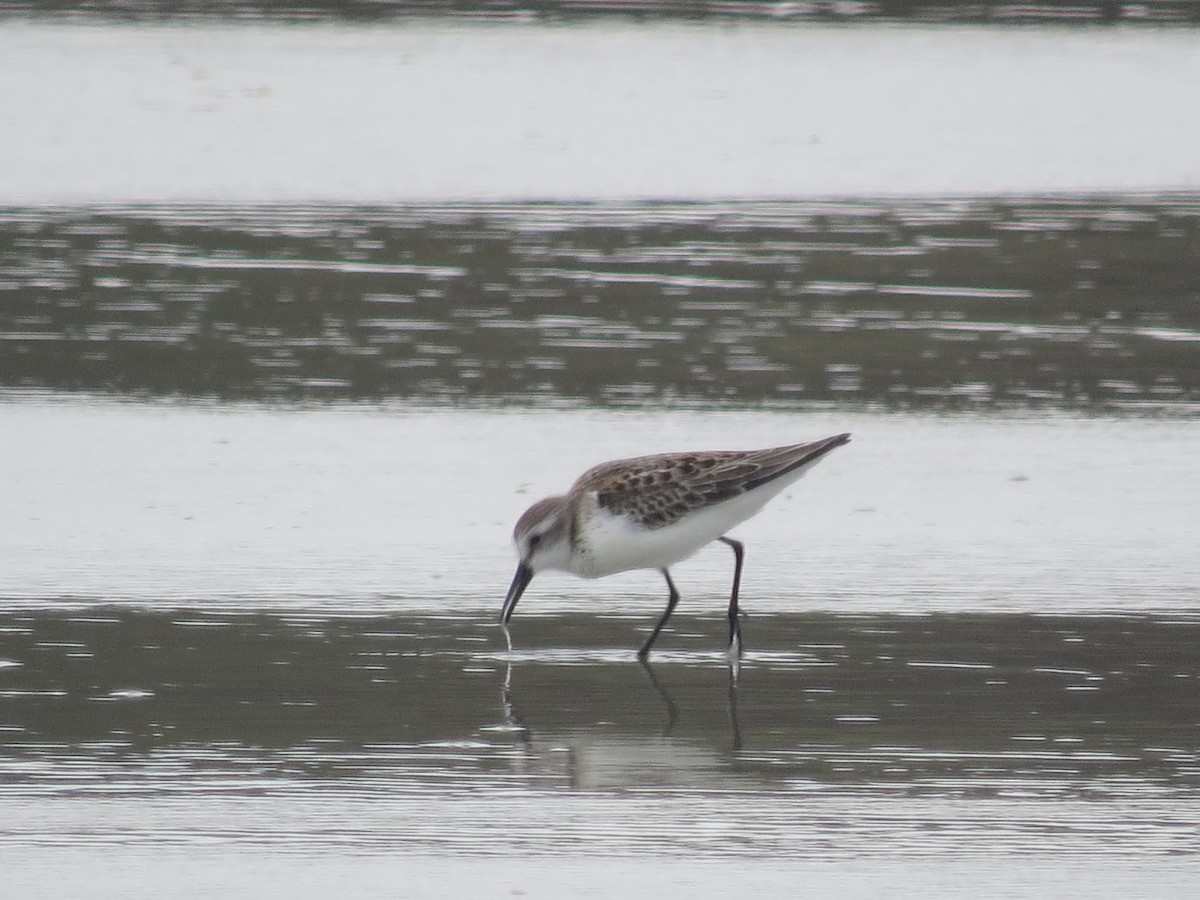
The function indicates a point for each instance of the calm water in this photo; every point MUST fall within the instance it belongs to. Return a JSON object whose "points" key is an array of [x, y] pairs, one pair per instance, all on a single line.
{"points": [[259, 462], [419, 111], [381, 510], [234, 636]]}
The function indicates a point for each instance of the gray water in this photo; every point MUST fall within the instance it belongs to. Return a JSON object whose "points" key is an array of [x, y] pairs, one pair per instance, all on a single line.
{"points": [[245, 647], [436, 111], [1085, 302], [259, 461]]}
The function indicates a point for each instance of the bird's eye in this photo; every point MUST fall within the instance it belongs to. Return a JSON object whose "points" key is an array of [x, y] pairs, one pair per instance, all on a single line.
{"points": [[534, 540]]}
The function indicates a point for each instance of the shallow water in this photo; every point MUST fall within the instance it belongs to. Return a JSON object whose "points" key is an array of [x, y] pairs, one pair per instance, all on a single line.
{"points": [[919, 713], [437, 111], [856, 748], [232, 635], [237, 506], [248, 645], [260, 462], [120, 702], [1075, 302]]}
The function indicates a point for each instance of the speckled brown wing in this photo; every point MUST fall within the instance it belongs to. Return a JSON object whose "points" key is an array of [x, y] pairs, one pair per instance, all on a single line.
{"points": [[659, 490]]}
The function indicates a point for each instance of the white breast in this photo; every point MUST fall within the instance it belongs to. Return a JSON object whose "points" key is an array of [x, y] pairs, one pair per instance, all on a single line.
{"points": [[609, 544]]}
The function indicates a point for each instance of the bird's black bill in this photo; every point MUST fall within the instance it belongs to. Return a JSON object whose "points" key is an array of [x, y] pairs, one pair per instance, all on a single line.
{"points": [[516, 589]]}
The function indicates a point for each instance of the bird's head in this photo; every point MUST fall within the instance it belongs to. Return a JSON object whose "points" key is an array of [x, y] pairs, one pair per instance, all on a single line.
{"points": [[542, 539]]}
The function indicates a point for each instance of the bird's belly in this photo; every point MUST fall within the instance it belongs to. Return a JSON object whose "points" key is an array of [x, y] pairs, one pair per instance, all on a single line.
{"points": [[611, 544]]}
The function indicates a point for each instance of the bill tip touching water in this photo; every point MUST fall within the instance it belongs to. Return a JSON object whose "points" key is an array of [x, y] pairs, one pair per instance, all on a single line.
{"points": [[650, 512]]}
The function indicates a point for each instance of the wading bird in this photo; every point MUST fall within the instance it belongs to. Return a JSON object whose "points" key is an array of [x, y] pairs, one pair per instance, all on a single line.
{"points": [[651, 512]]}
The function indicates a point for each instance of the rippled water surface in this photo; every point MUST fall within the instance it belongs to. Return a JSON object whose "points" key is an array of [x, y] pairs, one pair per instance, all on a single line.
{"points": [[1075, 302], [234, 636], [260, 470], [260, 455], [233, 738], [261, 465]]}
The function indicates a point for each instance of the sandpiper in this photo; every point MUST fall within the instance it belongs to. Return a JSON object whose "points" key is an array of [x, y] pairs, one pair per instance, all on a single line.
{"points": [[651, 512]]}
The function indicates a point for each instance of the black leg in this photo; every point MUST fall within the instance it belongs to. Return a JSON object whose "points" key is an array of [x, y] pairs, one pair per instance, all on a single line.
{"points": [[671, 601], [735, 628]]}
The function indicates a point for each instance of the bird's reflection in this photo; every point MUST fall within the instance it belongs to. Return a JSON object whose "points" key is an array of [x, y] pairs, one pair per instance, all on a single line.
{"points": [[512, 719], [600, 756], [667, 699], [735, 727], [673, 710]]}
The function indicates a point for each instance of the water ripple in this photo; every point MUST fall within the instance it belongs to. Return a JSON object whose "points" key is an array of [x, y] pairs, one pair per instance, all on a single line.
{"points": [[937, 303]]}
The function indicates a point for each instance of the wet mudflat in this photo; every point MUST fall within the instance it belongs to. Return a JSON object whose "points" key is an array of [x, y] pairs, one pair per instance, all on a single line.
{"points": [[247, 646]]}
